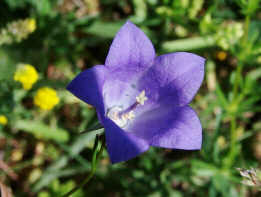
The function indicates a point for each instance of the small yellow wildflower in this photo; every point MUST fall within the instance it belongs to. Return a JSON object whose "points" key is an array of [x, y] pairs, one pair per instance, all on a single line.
{"points": [[27, 75], [46, 98], [31, 24], [3, 120], [221, 55]]}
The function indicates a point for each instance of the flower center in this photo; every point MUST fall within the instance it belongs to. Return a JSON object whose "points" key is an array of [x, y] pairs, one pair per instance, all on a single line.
{"points": [[123, 117]]}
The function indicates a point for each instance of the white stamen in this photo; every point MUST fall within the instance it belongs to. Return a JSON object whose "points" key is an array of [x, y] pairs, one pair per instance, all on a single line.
{"points": [[123, 117], [120, 120], [131, 115], [141, 98]]}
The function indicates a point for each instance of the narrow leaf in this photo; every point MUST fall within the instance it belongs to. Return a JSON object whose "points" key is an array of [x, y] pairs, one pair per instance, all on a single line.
{"points": [[42, 131]]}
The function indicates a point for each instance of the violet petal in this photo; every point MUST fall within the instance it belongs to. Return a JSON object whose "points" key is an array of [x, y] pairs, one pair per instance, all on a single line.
{"points": [[131, 51], [168, 127], [121, 145], [174, 78], [87, 86]]}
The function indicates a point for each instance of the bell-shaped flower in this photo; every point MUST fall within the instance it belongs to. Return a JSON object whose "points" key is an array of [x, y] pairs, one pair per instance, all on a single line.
{"points": [[142, 99]]}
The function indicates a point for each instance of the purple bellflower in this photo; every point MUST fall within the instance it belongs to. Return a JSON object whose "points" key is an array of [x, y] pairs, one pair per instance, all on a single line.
{"points": [[141, 99]]}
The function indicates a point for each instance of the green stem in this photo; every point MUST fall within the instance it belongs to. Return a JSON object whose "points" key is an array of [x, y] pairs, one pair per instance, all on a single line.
{"points": [[235, 101], [97, 151], [237, 80], [246, 28], [233, 138], [241, 56]]}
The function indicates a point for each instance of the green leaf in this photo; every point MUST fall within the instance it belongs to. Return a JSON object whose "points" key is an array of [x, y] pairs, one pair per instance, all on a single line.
{"points": [[42, 131], [254, 28], [221, 184], [104, 29], [221, 96], [43, 7], [203, 169], [75, 148], [188, 44], [251, 80], [7, 67], [140, 8]]}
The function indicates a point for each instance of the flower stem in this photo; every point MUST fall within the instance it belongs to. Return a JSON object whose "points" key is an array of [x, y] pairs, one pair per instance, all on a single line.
{"points": [[97, 151], [233, 139], [246, 29]]}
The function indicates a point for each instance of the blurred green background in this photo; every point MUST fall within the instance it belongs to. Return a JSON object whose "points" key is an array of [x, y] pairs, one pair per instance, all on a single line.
{"points": [[44, 44]]}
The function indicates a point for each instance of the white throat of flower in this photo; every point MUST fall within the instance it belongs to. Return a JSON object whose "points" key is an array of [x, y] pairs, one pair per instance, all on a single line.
{"points": [[122, 117]]}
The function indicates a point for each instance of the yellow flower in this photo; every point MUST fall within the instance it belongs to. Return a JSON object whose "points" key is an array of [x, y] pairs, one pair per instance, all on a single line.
{"points": [[27, 75], [31, 24], [221, 55], [46, 98], [3, 120]]}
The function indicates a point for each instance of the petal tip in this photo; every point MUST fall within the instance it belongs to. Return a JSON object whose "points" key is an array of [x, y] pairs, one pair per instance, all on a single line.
{"points": [[115, 160], [122, 146], [130, 46], [128, 22], [70, 87], [128, 25]]}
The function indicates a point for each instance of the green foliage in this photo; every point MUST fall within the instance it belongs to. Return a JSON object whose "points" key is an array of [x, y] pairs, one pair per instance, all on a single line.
{"points": [[56, 189], [249, 7], [7, 66], [42, 131], [47, 153]]}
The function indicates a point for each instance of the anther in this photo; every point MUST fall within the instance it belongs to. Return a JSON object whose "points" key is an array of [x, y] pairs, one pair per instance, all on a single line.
{"points": [[141, 98]]}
